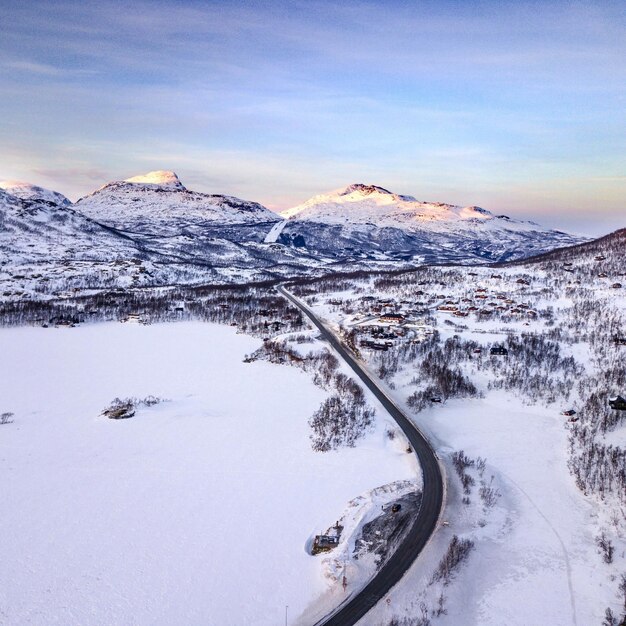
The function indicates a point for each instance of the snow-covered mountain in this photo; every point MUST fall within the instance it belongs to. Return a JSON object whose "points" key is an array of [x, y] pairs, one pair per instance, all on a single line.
{"points": [[158, 203], [148, 230], [38, 230], [368, 220], [27, 191], [152, 230]]}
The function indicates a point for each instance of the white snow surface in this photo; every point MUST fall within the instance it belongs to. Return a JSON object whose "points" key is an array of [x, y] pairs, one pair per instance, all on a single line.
{"points": [[370, 204], [274, 233], [196, 510], [535, 560]]}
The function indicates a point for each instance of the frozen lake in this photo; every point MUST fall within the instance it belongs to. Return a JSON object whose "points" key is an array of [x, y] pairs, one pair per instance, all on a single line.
{"points": [[196, 510]]}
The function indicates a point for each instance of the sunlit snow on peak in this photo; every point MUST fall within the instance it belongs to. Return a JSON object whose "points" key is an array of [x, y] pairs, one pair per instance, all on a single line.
{"points": [[157, 177]]}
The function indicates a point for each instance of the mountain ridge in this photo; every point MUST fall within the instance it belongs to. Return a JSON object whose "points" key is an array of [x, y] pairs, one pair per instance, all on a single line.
{"points": [[150, 230]]}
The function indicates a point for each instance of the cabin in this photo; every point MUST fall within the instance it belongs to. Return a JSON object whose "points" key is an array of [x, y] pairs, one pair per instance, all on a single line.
{"points": [[499, 351], [521, 281], [568, 413], [374, 345], [324, 543], [394, 318], [616, 286], [618, 403], [619, 341]]}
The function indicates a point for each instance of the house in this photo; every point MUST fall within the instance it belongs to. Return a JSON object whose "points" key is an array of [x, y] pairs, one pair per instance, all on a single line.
{"points": [[619, 341], [618, 403], [394, 318], [499, 351], [568, 413], [324, 543], [521, 281], [616, 286], [600, 258], [374, 345]]}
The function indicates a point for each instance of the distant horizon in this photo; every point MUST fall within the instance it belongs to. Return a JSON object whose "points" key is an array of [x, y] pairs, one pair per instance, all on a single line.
{"points": [[515, 107]]}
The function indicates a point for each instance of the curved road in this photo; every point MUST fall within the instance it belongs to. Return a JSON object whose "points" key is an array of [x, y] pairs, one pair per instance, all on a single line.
{"points": [[432, 497]]}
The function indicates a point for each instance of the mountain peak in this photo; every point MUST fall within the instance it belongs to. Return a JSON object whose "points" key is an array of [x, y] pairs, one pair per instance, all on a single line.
{"points": [[162, 178], [364, 190], [28, 191]]}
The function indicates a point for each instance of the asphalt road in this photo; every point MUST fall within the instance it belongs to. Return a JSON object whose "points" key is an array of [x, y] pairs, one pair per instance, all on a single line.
{"points": [[432, 498]]}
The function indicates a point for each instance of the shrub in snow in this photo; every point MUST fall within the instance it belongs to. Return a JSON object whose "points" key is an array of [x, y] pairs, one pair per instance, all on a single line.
{"points": [[605, 546], [339, 422], [120, 409], [125, 408], [458, 551], [5, 418]]}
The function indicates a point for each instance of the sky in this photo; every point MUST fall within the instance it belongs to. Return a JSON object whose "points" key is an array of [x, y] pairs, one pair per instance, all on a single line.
{"points": [[518, 107]]}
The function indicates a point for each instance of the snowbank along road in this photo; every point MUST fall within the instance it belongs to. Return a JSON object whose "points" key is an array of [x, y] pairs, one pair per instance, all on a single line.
{"points": [[432, 500]]}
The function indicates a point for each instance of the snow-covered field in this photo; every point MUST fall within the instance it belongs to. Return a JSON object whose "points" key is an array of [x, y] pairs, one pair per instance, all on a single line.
{"points": [[196, 510], [535, 560]]}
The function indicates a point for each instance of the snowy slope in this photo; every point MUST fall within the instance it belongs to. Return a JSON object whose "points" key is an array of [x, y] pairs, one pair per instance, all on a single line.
{"points": [[28, 191], [40, 230], [428, 230]]}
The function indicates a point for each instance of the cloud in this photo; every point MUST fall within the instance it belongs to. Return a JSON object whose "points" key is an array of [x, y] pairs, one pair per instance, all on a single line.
{"points": [[45, 70]]}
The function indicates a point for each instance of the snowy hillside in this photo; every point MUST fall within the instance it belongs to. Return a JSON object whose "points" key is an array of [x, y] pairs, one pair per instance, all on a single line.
{"points": [[47, 247], [374, 221], [27, 191], [40, 230]]}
